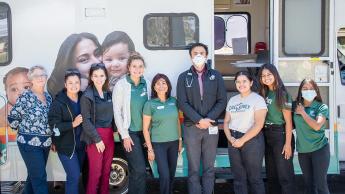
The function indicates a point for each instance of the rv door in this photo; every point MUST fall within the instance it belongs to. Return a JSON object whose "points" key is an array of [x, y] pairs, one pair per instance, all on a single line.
{"points": [[340, 75], [302, 34]]}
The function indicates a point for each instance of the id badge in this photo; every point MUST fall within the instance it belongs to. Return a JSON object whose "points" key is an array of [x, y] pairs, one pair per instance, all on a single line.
{"points": [[213, 130]]}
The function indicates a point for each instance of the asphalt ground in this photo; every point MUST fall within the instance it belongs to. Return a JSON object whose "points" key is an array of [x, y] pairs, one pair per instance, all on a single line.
{"points": [[336, 185]]}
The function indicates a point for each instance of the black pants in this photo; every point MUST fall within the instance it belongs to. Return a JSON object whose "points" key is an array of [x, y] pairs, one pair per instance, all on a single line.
{"points": [[279, 171], [137, 164], [246, 164], [166, 158], [314, 167]]}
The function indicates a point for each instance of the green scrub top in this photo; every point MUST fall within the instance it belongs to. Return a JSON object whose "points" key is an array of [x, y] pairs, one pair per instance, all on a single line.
{"points": [[164, 119], [275, 114], [138, 98], [308, 139]]}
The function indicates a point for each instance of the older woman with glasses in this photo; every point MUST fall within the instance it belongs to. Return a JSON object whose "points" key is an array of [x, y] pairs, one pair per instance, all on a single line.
{"points": [[97, 112], [30, 117], [65, 119]]}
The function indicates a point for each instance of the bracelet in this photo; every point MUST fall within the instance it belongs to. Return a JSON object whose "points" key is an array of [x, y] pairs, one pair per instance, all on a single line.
{"points": [[149, 150], [180, 139]]}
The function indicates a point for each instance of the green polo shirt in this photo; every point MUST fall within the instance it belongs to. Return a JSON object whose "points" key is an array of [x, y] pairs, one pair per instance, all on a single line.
{"points": [[138, 98], [308, 139], [275, 114], [164, 119]]}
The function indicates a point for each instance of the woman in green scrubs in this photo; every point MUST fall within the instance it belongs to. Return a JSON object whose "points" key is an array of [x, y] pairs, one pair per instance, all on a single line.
{"points": [[312, 144], [162, 131], [129, 96], [279, 140]]}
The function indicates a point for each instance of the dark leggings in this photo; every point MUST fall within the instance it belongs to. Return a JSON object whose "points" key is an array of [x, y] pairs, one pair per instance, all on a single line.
{"points": [[314, 167]]}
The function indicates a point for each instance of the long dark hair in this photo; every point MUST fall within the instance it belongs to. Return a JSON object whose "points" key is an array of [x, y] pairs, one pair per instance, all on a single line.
{"points": [[65, 59], [95, 67], [278, 85], [299, 98], [155, 80]]}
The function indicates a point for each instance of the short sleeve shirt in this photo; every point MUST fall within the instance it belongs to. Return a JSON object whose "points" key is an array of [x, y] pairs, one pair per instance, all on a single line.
{"points": [[308, 139], [138, 98], [164, 119], [275, 114], [242, 111]]}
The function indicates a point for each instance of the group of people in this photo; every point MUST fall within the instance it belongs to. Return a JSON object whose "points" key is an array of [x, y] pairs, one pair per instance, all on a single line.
{"points": [[81, 119]]}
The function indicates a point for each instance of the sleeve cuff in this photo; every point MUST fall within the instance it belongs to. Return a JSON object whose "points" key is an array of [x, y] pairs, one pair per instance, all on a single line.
{"points": [[124, 135]]}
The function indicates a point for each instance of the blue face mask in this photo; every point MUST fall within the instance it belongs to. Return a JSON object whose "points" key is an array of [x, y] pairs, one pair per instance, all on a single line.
{"points": [[308, 95]]}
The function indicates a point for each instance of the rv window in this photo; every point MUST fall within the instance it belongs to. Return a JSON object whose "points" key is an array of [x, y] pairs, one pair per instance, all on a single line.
{"points": [[304, 28], [234, 37], [170, 31], [5, 34], [219, 32]]}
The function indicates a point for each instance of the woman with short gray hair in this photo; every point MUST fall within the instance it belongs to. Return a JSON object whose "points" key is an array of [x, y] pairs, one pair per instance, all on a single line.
{"points": [[31, 74], [30, 117]]}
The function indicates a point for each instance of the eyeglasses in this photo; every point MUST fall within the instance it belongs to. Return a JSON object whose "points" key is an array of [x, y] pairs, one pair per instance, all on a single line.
{"points": [[97, 65], [39, 75]]}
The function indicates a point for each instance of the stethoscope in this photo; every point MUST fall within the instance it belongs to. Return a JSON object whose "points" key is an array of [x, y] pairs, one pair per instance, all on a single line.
{"points": [[189, 81]]}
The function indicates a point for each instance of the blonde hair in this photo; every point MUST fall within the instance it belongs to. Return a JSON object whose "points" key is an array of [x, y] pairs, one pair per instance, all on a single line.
{"points": [[135, 56]]}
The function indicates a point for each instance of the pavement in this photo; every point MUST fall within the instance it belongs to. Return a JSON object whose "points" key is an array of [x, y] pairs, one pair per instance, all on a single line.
{"points": [[336, 185]]}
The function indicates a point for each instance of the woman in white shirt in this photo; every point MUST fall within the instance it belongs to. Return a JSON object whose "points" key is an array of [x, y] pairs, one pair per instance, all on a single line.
{"points": [[244, 119]]}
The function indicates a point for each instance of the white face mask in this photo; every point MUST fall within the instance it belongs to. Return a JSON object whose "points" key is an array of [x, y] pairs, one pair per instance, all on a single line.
{"points": [[309, 95], [199, 60]]}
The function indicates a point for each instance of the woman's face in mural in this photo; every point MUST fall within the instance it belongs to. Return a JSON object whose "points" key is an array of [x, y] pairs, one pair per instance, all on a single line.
{"points": [[115, 59], [85, 57]]}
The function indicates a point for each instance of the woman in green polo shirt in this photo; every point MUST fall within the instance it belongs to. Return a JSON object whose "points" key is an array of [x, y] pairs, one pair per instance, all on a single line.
{"points": [[162, 131], [129, 96], [279, 140], [312, 144]]}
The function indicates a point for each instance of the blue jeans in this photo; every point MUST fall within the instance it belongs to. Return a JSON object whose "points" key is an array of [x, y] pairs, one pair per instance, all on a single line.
{"points": [[201, 147], [166, 158], [246, 164], [72, 166], [314, 167], [35, 159], [279, 171], [136, 164]]}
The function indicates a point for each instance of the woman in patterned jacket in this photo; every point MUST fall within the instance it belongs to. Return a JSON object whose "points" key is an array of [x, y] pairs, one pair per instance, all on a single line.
{"points": [[30, 117]]}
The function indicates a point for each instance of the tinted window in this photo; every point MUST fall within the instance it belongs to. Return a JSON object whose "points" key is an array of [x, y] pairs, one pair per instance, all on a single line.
{"points": [[232, 33], [170, 31]]}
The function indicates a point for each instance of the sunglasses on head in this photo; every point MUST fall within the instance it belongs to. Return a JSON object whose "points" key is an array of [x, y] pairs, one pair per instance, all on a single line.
{"points": [[69, 72], [97, 65]]}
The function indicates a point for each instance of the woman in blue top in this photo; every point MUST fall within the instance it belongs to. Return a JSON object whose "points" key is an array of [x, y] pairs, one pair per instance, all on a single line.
{"points": [[30, 117], [312, 144], [65, 119], [161, 113]]}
